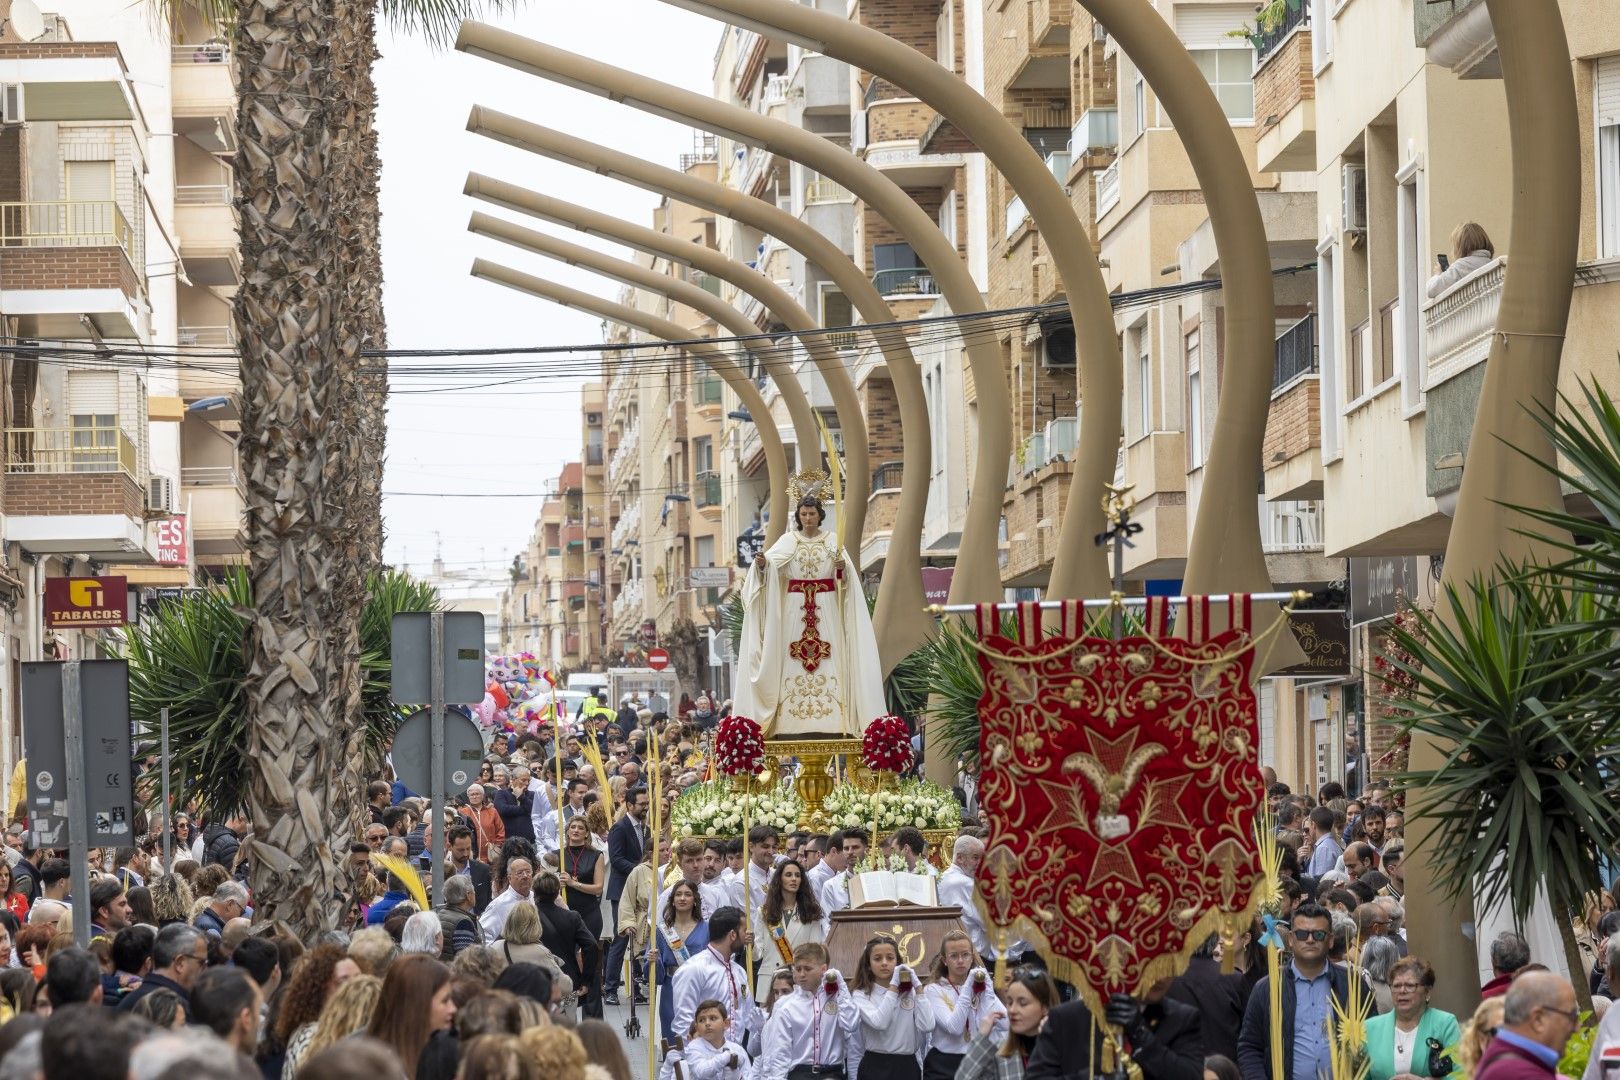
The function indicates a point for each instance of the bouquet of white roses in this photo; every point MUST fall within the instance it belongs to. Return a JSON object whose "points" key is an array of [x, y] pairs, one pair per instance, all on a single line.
{"points": [[715, 809], [920, 803]]}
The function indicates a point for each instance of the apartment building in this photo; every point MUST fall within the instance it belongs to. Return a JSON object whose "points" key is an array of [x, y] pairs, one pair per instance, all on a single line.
{"points": [[117, 236]]}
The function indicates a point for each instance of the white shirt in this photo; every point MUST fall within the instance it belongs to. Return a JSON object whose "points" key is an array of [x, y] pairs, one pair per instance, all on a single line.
{"points": [[957, 1012], [704, 1062], [493, 921], [1607, 1038], [817, 875], [802, 1030], [711, 894], [758, 881], [834, 897], [709, 976], [542, 818], [955, 889], [884, 1014]]}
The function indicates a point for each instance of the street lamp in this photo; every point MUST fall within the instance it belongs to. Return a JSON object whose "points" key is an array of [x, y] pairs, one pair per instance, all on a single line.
{"points": [[740, 415]]}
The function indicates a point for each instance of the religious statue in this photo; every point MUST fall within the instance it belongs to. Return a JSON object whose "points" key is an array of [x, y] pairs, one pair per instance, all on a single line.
{"points": [[808, 662]]}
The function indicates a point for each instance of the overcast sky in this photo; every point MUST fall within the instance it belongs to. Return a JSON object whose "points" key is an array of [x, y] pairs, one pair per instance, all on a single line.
{"points": [[492, 441]]}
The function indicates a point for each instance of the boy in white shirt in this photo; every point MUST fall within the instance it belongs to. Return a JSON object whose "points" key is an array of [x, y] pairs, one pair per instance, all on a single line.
{"points": [[709, 1055], [809, 1032]]}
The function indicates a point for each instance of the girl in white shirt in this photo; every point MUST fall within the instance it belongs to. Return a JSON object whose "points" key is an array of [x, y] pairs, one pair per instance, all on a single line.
{"points": [[895, 1022], [708, 1054], [960, 996]]}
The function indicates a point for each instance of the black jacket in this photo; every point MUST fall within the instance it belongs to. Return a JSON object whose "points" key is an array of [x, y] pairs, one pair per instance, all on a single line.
{"points": [[515, 813], [1254, 1041], [1219, 999], [565, 934], [479, 872], [624, 853], [153, 982], [220, 845], [1176, 1051]]}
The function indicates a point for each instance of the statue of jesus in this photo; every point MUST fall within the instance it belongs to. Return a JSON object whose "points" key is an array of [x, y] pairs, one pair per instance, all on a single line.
{"points": [[808, 662]]}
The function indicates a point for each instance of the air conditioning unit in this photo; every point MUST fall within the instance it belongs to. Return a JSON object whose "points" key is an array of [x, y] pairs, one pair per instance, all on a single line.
{"points": [[1057, 345], [1353, 191], [160, 495], [11, 103]]}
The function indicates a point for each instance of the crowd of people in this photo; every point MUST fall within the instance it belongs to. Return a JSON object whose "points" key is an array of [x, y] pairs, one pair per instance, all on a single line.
{"points": [[552, 909]]}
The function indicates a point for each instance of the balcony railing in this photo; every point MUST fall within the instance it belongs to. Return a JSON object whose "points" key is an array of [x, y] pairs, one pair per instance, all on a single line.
{"points": [[593, 454], [1290, 526], [206, 335], [1016, 216], [1108, 189], [70, 450], [817, 192], [202, 194], [775, 92], [888, 476], [1458, 323], [1057, 163], [65, 224], [706, 489], [1296, 353], [210, 476], [1097, 129], [208, 52], [1266, 41], [905, 281]]}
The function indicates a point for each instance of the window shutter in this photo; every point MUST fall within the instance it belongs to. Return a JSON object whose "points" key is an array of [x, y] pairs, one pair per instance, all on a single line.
{"points": [[1606, 90], [1209, 26], [93, 393]]}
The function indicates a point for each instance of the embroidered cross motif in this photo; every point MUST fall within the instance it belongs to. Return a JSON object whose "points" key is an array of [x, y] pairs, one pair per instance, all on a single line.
{"points": [[810, 649]]}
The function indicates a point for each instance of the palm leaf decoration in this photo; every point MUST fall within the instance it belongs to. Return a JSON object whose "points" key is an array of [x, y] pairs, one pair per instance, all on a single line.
{"points": [[1526, 797], [187, 655]]}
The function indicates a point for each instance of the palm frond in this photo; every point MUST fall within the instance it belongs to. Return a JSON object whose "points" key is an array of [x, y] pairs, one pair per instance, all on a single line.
{"points": [[437, 21]]}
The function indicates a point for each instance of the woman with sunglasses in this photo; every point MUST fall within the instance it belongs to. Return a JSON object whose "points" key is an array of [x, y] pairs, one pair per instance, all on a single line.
{"points": [[1028, 998], [1411, 1041]]}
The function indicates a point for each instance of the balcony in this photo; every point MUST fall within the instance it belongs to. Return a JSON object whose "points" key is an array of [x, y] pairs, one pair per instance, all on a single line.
{"points": [[1285, 95], [76, 489], [215, 500], [204, 95], [67, 80], [1049, 23], [1295, 353], [888, 476], [626, 455], [903, 161], [708, 392], [627, 528], [911, 281], [628, 602], [1096, 132], [775, 92], [1290, 527], [706, 489], [1457, 34], [821, 191], [205, 220], [1107, 189], [1293, 465], [1017, 216], [1458, 323], [64, 260], [822, 84]]}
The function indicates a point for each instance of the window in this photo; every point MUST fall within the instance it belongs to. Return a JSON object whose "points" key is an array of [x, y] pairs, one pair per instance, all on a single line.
{"points": [[945, 36], [1230, 73], [1411, 257], [947, 214], [1144, 379], [1139, 103], [1358, 361], [1321, 32], [1327, 312], [1606, 95], [1195, 400], [894, 268]]}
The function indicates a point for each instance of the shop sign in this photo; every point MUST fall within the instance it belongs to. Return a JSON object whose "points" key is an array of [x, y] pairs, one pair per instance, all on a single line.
{"points": [[1379, 584], [1324, 636], [85, 602], [170, 537]]}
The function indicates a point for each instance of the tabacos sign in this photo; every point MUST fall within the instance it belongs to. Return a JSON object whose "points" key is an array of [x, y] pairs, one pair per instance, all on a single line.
{"points": [[86, 602]]}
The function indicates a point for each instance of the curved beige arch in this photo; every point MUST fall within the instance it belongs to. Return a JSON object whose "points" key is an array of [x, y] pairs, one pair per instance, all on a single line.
{"points": [[858, 478], [776, 466], [977, 577], [1080, 568], [901, 623]]}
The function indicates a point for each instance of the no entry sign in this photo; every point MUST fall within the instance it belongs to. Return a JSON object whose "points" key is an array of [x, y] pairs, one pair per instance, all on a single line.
{"points": [[658, 659]]}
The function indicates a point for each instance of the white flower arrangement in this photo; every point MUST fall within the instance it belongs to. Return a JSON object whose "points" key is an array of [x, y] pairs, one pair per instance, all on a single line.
{"points": [[715, 809], [920, 803]]}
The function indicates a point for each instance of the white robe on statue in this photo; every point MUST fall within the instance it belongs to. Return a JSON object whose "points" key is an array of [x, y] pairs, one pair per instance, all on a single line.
{"points": [[802, 677]]}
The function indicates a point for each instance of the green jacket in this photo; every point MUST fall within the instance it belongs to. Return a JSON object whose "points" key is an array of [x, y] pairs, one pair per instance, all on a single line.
{"points": [[1433, 1024]]}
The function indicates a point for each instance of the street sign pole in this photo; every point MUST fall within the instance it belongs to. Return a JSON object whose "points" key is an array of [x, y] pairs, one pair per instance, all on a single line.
{"points": [[163, 753], [436, 830], [78, 834]]}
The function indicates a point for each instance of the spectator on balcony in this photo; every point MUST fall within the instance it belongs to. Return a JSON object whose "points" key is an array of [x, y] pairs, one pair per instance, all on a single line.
{"points": [[1471, 249]]}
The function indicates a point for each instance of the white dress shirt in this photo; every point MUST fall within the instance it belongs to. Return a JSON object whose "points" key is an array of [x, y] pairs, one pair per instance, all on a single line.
{"points": [[955, 889], [884, 1014], [704, 1061], [542, 818], [758, 881], [958, 1010], [817, 875], [709, 976], [834, 897], [803, 1030], [493, 920]]}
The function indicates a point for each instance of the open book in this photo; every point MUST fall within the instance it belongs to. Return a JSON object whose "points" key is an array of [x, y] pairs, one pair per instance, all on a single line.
{"points": [[886, 887]]}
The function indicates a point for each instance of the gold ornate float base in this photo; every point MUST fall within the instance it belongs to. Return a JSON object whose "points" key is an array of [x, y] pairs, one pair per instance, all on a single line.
{"points": [[818, 772]]}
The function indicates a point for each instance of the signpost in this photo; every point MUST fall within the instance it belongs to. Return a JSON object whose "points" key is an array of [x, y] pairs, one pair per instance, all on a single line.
{"points": [[77, 741], [658, 658], [437, 657]]}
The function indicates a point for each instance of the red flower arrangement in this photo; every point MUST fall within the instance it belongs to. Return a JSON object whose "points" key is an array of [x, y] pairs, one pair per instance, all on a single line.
{"points": [[886, 747], [739, 747]]}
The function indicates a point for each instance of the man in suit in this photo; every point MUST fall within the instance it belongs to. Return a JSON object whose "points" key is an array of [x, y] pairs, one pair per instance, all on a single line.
{"points": [[626, 841], [461, 861], [1161, 1034], [1218, 998]]}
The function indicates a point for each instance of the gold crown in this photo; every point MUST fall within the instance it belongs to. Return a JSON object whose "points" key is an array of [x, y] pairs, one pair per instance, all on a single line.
{"points": [[806, 483]]}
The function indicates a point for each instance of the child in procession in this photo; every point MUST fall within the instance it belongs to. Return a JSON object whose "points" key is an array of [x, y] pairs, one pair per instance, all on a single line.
{"points": [[960, 997], [781, 987], [709, 1055], [895, 1022], [808, 1034]]}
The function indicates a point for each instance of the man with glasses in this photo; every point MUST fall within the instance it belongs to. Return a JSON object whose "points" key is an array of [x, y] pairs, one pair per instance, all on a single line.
{"points": [[1311, 985], [1538, 1017], [179, 956]]}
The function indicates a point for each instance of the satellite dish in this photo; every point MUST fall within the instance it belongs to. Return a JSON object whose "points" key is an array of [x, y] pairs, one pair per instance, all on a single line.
{"points": [[26, 21]]}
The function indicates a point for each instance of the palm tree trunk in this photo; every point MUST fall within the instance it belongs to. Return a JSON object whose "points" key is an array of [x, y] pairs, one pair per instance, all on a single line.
{"points": [[296, 527]]}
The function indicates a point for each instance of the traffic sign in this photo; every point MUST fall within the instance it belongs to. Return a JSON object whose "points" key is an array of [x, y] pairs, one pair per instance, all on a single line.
{"points": [[658, 658], [411, 658], [412, 751]]}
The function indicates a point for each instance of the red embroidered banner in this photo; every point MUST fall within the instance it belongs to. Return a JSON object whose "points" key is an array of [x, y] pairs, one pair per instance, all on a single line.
{"points": [[1122, 783]]}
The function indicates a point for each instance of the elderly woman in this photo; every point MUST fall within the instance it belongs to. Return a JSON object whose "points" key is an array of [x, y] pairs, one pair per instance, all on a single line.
{"points": [[1406, 1043], [1378, 955]]}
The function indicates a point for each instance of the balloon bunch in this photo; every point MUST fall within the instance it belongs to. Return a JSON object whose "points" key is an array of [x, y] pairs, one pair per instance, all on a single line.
{"points": [[517, 695]]}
